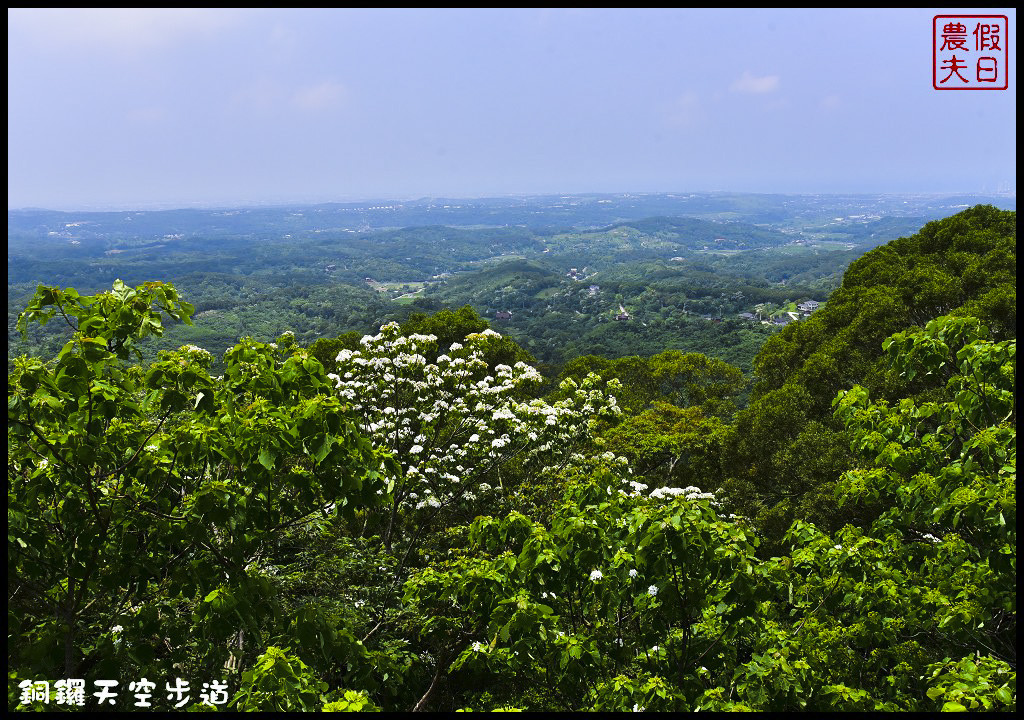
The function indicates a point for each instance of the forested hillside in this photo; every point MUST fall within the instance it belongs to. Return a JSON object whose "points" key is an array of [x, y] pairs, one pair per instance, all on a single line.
{"points": [[786, 447], [417, 518], [695, 272]]}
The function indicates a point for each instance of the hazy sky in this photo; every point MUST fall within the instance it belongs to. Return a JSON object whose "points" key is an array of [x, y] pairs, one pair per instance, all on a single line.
{"points": [[144, 108]]}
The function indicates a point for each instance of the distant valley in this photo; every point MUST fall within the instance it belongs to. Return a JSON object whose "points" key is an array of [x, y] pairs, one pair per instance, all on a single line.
{"points": [[563, 275]]}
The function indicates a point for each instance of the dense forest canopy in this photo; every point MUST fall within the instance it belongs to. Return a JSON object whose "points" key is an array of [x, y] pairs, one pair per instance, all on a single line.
{"points": [[437, 515]]}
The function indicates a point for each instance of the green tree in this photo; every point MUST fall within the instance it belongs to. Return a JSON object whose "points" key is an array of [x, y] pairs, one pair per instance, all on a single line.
{"points": [[682, 379], [669, 445], [136, 493], [626, 599], [917, 610], [942, 473], [447, 326], [326, 350], [799, 370]]}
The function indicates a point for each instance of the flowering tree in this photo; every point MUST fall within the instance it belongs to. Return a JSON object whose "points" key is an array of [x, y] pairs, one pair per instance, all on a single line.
{"points": [[455, 429], [633, 600], [628, 600]]}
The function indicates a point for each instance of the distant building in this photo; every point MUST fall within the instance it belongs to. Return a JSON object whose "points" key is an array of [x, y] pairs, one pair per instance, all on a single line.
{"points": [[782, 321], [503, 315], [622, 316], [748, 316], [808, 307]]}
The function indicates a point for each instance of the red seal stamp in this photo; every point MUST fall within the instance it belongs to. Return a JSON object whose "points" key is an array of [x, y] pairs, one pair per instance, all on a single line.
{"points": [[969, 52]]}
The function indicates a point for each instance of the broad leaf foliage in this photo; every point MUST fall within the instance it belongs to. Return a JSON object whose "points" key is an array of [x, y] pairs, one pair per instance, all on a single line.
{"points": [[421, 529]]}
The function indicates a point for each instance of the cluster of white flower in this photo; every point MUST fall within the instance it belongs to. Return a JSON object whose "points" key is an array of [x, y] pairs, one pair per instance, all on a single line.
{"points": [[451, 421], [198, 351], [596, 575], [429, 501], [690, 493], [637, 489]]}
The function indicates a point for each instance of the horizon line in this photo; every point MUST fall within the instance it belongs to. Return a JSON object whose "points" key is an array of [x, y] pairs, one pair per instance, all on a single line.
{"points": [[271, 203]]}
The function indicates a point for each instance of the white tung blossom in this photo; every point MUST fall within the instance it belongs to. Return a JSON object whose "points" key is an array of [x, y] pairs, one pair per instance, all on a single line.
{"points": [[637, 487], [406, 401], [596, 575], [194, 350], [690, 493], [429, 501]]}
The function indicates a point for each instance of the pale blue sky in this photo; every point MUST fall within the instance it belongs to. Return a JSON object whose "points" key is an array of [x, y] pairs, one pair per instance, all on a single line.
{"points": [[145, 108]]}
